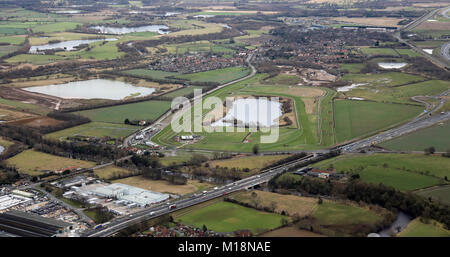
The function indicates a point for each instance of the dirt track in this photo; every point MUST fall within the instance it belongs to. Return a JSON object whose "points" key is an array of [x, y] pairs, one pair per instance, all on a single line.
{"points": [[18, 94]]}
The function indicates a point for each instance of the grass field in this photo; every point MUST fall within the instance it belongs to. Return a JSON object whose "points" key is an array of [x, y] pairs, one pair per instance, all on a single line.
{"points": [[340, 219], [359, 118], [378, 51], [95, 129], [290, 204], [185, 91], [34, 163], [352, 67], [400, 94], [383, 79], [37, 59], [290, 232], [13, 40], [148, 110], [407, 52], [199, 46], [402, 171], [26, 107], [229, 217], [220, 76], [252, 162], [436, 136], [440, 193], [111, 171], [164, 186], [416, 228], [155, 74]]}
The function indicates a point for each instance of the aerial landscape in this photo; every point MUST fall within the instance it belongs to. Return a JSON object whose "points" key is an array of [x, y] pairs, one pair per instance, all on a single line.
{"points": [[224, 119]]}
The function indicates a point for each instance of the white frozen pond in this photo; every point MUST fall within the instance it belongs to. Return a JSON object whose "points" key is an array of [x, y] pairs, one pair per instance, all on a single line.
{"points": [[203, 16], [348, 88], [66, 45], [2, 149], [225, 25], [428, 51], [68, 12], [125, 30], [171, 13], [251, 111], [93, 89], [392, 65]]}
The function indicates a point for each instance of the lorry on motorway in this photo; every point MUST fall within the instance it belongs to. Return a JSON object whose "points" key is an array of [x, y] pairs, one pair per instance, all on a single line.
{"points": [[98, 226], [173, 206]]}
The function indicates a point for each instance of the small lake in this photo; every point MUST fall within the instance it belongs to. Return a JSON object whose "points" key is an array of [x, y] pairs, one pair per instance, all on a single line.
{"points": [[392, 65], [348, 88], [2, 149], [124, 30], [252, 111], [66, 45], [93, 89]]}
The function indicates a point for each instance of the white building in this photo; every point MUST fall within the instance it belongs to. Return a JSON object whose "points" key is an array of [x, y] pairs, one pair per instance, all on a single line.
{"points": [[130, 195]]}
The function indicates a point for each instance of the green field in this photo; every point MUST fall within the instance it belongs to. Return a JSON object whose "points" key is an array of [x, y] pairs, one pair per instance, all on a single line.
{"points": [[402, 171], [359, 118], [333, 213], [220, 76], [408, 52], [387, 79], [14, 40], [95, 129], [352, 67], [148, 110], [37, 59], [416, 228], [7, 49], [441, 194], [436, 136], [26, 107], [401, 94], [154, 74], [185, 91], [199, 46], [100, 50], [378, 51], [33, 163], [229, 217]]}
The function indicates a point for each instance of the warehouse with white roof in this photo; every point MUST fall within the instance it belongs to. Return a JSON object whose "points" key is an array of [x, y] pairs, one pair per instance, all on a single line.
{"points": [[130, 194]]}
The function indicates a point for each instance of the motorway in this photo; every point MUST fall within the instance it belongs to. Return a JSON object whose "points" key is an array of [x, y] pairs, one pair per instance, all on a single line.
{"points": [[125, 221], [444, 49]]}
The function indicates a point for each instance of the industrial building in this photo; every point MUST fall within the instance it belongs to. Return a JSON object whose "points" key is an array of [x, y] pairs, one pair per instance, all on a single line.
{"points": [[11, 200], [130, 195], [31, 225]]}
